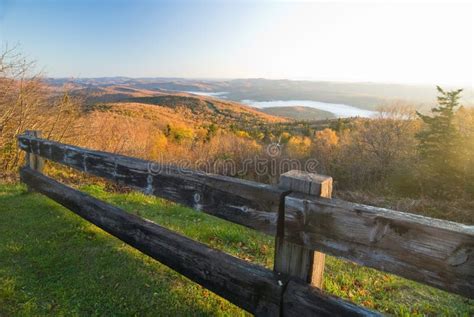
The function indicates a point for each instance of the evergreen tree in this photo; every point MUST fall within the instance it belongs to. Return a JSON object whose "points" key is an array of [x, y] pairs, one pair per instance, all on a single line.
{"points": [[439, 146]]}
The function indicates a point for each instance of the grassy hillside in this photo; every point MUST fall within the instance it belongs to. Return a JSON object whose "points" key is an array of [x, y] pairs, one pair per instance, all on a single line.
{"points": [[54, 263], [299, 113]]}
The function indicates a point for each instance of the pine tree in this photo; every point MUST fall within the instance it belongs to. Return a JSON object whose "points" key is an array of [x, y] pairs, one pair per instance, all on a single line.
{"points": [[439, 145]]}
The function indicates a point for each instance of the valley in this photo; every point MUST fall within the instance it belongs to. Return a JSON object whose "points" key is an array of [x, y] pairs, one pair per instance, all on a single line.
{"points": [[229, 158], [331, 99], [365, 95]]}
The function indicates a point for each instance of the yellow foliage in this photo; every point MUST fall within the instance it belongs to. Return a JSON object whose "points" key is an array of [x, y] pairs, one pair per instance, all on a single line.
{"points": [[242, 134], [158, 146], [285, 137], [201, 133], [298, 146], [327, 137], [180, 132]]}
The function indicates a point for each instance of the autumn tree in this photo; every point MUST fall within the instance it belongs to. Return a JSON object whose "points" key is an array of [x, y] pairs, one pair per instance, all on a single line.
{"points": [[298, 147], [324, 149], [27, 104], [372, 152]]}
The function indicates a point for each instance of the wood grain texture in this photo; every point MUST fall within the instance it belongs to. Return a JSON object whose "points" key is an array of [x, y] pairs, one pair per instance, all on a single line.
{"points": [[307, 183], [251, 287], [294, 259], [244, 202], [32, 160], [435, 252]]}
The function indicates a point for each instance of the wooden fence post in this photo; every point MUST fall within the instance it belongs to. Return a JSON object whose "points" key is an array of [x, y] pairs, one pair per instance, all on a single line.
{"points": [[293, 259], [34, 161]]}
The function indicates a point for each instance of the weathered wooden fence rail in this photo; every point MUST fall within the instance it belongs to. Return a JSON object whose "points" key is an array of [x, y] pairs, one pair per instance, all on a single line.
{"points": [[435, 252]]}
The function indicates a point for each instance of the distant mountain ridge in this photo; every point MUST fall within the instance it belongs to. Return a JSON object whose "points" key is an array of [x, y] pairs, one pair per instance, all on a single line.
{"points": [[363, 95]]}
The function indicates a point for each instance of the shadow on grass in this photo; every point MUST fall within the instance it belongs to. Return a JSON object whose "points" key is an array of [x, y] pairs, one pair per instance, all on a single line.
{"points": [[53, 262]]}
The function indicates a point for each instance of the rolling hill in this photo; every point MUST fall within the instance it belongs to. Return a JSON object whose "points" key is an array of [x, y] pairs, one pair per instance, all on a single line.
{"points": [[165, 107], [363, 95]]}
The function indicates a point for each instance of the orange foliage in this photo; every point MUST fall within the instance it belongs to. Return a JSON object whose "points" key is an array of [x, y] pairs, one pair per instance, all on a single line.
{"points": [[327, 137]]}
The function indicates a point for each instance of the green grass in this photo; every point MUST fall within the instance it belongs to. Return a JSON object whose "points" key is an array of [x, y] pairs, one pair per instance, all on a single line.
{"points": [[54, 263]]}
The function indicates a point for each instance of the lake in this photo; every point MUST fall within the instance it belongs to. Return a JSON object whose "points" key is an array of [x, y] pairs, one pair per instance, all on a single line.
{"points": [[209, 94], [339, 110]]}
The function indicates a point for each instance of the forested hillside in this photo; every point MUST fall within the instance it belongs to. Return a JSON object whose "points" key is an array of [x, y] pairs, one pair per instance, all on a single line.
{"points": [[236, 158], [398, 153], [402, 159], [364, 95]]}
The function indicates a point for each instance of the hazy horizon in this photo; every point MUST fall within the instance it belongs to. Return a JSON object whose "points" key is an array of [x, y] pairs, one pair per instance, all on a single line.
{"points": [[386, 43], [428, 85]]}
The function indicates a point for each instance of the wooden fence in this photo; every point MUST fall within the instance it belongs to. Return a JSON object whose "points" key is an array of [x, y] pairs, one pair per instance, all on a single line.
{"points": [[307, 224]]}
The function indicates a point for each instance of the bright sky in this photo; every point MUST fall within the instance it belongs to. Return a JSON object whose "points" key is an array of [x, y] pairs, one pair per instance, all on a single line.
{"points": [[381, 42]]}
